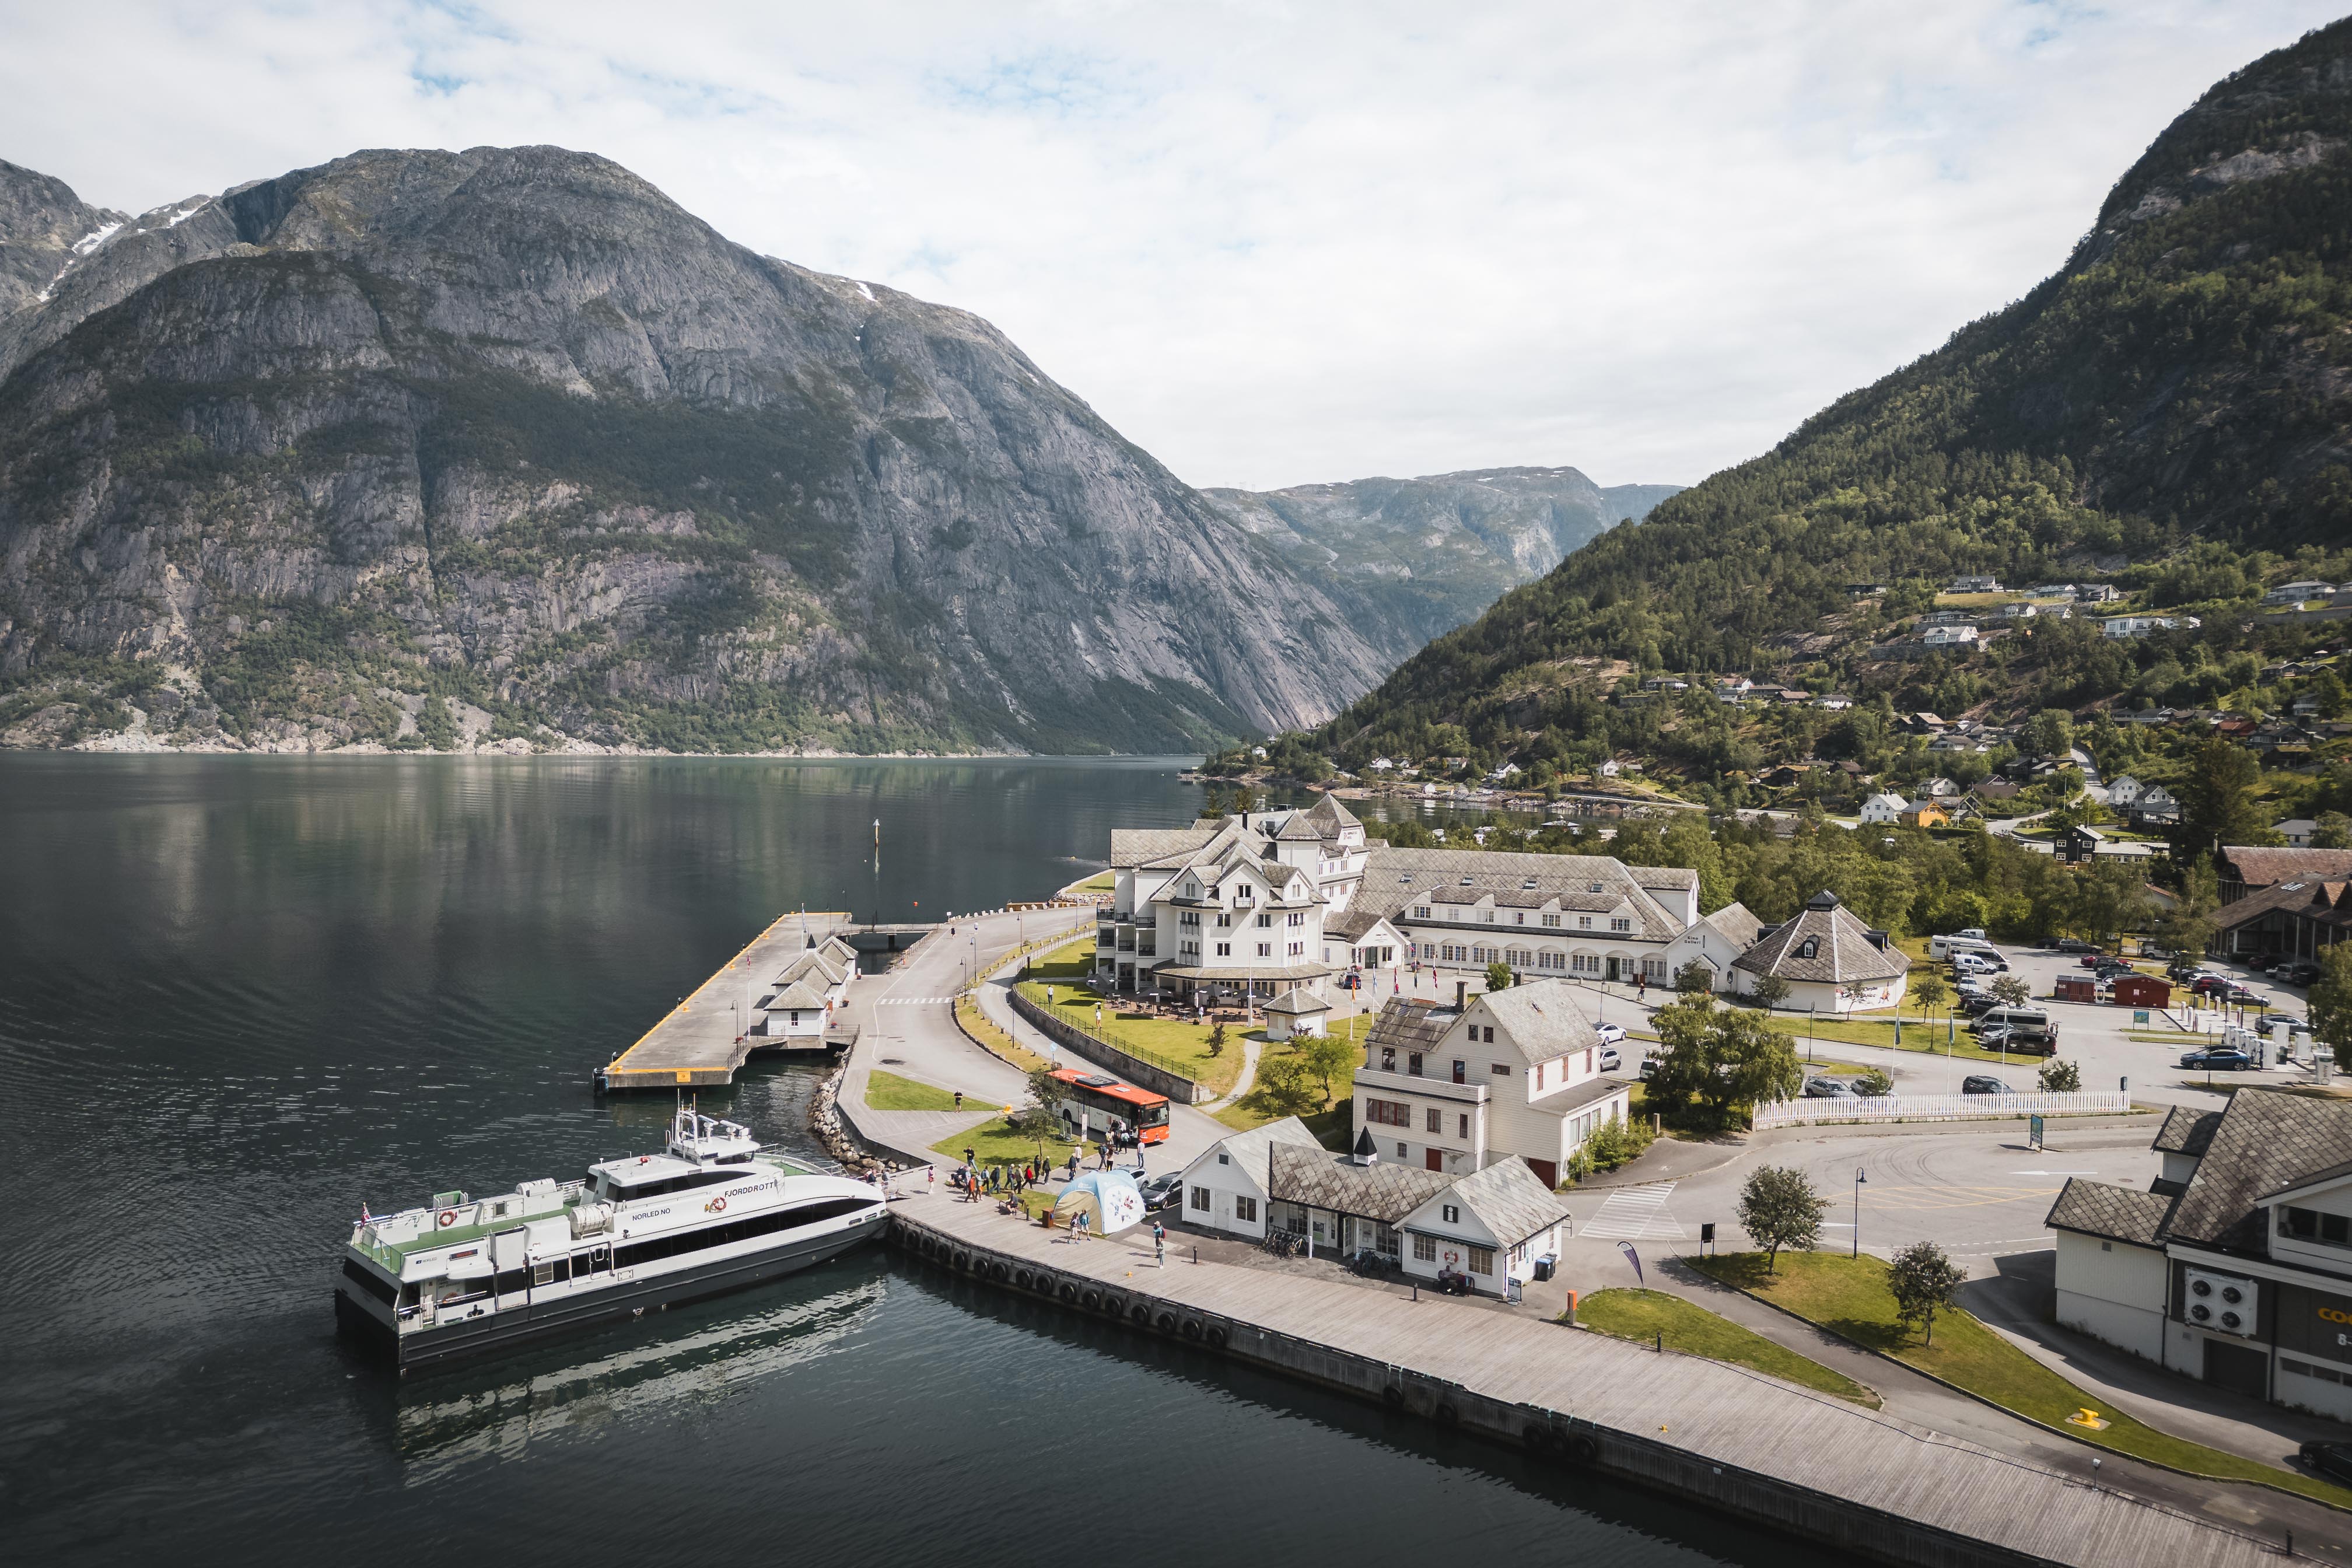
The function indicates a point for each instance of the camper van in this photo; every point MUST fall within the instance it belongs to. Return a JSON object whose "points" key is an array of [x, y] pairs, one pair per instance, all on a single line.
{"points": [[2034, 1031], [1941, 948]]}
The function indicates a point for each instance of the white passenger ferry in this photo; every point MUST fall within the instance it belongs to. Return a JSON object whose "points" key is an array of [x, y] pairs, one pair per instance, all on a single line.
{"points": [[712, 1213]]}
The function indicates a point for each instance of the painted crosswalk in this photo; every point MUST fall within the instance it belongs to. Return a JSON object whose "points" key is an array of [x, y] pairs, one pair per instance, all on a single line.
{"points": [[1634, 1213], [915, 1001]]}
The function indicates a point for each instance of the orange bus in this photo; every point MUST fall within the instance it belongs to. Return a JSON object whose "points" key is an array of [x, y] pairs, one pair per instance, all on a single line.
{"points": [[1091, 1102]]}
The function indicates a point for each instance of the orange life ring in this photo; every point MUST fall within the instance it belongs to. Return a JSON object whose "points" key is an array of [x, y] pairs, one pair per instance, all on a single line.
{"points": [[448, 1216], [715, 1206], [1452, 1259]]}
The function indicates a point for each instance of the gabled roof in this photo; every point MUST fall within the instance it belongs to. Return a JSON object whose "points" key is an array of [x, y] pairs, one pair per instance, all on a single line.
{"points": [[1318, 1179], [1248, 1149], [1410, 1025], [840, 952], [1354, 925], [1843, 953], [2259, 866], [2116, 1213], [2268, 1140], [1509, 1200], [1734, 921], [1133, 847], [1331, 816], [1299, 830], [1395, 879], [800, 993], [1541, 1018], [2315, 1179]]}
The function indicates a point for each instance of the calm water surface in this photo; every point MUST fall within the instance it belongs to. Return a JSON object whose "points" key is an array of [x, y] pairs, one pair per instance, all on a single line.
{"points": [[239, 996]]}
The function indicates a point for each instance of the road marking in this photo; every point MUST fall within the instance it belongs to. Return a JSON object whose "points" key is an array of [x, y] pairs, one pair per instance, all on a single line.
{"points": [[1635, 1214], [914, 1000]]}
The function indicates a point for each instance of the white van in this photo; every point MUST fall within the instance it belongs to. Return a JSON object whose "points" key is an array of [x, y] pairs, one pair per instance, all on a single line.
{"points": [[2032, 1025], [1940, 948]]}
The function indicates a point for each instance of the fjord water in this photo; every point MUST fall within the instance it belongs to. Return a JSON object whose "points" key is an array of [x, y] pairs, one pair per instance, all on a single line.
{"points": [[240, 996]]}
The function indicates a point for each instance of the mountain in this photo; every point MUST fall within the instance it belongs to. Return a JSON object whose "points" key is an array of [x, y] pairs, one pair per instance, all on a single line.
{"points": [[1439, 548], [2174, 404], [423, 447]]}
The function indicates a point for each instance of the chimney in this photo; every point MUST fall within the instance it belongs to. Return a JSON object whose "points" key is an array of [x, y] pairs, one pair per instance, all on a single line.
{"points": [[1461, 995]]}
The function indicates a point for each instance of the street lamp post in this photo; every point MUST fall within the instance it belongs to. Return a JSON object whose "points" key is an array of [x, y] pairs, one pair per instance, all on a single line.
{"points": [[1859, 1181]]}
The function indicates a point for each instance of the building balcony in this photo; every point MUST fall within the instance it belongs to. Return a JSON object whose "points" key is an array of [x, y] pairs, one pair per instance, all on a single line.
{"points": [[1431, 1088]]}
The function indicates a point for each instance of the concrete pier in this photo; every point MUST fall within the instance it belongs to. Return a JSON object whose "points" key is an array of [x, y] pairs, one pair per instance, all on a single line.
{"points": [[1736, 1441], [701, 1041]]}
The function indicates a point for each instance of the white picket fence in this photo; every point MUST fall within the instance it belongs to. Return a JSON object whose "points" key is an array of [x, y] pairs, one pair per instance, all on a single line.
{"points": [[1937, 1108]]}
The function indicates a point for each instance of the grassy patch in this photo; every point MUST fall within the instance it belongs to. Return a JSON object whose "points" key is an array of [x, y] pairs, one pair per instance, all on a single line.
{"points": [[1334, 1128], [1848, 1296], [1183, 1046], [1927, 1039], [994, 1142], [976, 1024], [1643, 1315], [889, 1091]]}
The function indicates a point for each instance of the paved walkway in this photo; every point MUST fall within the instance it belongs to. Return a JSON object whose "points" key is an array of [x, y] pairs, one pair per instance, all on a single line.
{"points": [[1726, 1414]]}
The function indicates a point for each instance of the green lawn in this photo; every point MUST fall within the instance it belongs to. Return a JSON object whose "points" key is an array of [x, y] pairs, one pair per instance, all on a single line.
{"points": [[1849, 1296], [889, 1091], [1642, 1315], [968, 1014], [1335, 1128], [1928, 1039], [994, 1141], [1183, 1047]]}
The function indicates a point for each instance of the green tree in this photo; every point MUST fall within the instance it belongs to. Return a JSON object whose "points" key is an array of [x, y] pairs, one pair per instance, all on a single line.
{"points": [[2051, 733], [1695, 979], [2217, 798], [1922, 1279], [2331, 997], [1778, 1207], [1929, 991], [1285, 1086], [1331, 1059], [2060, 1078], [2011, 990], [2332, 830], [1770, 990], [1718, 1059], [1216, 1043], [1498, 976], [1038, 1119], [1873, 1084]]}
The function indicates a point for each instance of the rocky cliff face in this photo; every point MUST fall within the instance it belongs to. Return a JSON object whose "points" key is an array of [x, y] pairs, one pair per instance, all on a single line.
{"points": [[1438, 549], [441, 448]]}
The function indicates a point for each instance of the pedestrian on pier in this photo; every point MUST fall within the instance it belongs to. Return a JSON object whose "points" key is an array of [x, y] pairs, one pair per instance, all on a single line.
{"points": [[1158, 1244], [930, 1178]]}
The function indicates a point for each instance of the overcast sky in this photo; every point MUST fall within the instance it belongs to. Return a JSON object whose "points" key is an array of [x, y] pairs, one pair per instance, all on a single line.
{"points": [[1273, 243]]}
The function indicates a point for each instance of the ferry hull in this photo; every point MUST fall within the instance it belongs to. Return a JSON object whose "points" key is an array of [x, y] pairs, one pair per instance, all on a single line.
{"points": [[513, 1326]]}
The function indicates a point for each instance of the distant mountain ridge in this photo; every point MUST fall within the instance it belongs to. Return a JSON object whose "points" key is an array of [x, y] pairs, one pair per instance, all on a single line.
{"points": [[1441, 548], [442, 449], [2180, 391]]}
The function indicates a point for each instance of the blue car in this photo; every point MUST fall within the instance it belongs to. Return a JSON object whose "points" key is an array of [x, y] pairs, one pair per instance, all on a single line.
{"points": [[2221, 1061]]}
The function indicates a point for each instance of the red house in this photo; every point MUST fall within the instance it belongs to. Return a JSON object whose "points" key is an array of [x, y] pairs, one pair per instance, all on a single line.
{"points": [[2142, 991]]}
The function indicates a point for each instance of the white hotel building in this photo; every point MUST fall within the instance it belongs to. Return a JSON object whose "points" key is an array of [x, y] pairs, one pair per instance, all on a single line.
{"points": [[1243, 901]]}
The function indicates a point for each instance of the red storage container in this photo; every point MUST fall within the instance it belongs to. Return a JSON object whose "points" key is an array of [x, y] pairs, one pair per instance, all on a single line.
{"points": [[2077, 988], [2143, 990]]}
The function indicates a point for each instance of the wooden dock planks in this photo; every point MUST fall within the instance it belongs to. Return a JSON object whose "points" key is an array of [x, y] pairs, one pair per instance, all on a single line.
{"points": [[1728, 1416], [695, 1043]]}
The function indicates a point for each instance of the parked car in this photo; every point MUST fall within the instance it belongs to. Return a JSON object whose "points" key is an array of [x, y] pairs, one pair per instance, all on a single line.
{"points": [[1979, 1001], [2220, 1058], [2294, 972], [1649, 1068], [2183, 970], [2239, 996], [1978, 1083], [1828, 1089], [2333, 1460], [1997, 1036], [1964, 963], [1163, 1191], [2073, 945], [2208, 984], [2112, 970], [1975, 932], [1609, 1059], [1610, 1034]]}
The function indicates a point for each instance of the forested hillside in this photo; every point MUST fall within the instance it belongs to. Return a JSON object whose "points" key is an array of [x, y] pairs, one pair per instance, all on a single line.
{"points": [[2166, 414]]}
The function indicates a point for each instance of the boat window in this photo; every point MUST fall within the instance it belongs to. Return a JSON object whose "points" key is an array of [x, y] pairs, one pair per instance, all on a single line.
{"points": [[369, 1281], [654, 1249]]}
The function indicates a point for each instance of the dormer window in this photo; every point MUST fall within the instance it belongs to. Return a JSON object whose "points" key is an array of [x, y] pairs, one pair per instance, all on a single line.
{"points": [[1810, 949], [1592, 886]]}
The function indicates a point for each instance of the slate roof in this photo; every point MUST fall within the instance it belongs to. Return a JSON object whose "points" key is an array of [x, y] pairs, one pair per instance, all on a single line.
{"points": [[1133, 847], [1395, 879], [2186, 1131], [1296, 1001], [1843, 954], [1299, 830], [2267, 1139], [1248, 1149], [2262, 867], [1541, 1018], [1329, 815], [2118, 1213], [1736, 921], [1509, 1199], [800, 995], [1318, 1179], [1351, 925], [1410, 1025], [2323, 901]]}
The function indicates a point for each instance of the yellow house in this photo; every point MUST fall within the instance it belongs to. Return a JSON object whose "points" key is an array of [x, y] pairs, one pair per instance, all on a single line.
{"points": [[1925, 813]]}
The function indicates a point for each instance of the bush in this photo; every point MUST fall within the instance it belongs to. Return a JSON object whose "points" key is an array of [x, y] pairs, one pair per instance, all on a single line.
{"points": [[1873, 1085], [2061, 1078], [1615, 1143]]}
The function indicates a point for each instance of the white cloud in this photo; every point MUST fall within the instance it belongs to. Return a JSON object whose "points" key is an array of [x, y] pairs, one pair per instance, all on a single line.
{"points": [[1271, 243]]}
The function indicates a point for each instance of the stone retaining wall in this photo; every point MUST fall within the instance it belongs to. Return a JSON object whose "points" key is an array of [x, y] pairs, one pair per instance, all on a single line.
{"points": [[1158, 1079]]}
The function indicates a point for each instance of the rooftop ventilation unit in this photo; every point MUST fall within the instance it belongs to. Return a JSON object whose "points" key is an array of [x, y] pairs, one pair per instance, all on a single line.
{"points": [[2223, 1303]]}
